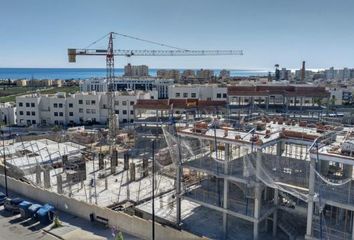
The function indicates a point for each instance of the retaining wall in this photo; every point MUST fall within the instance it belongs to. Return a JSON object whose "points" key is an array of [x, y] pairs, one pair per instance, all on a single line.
{"points": [[130, 224]]}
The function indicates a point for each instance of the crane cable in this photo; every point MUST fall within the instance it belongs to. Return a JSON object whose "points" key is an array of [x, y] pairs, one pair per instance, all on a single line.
{"points": [[135, 38], [149, 41]]}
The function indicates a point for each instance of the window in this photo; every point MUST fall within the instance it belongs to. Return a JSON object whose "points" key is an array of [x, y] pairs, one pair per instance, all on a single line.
{"points": [[124, 120], [117, 111], [80, 101], [193, 95], [56, 122], [71, 105], [55, 105], [33, 113], [218, 95], [28, 113], [34, 122], [178, 94], [93, 111], [116, 103], [60, 105], [81, 110], [87, 102], [124, 103], [27, 104], [93, 102], [20, 104], [131, 103], [224, 95], [88, 110], [131, 120], [185, 95], [124, 112], [61, 114], [56, 114], [32, 105], [21, 112], [71, 114]]}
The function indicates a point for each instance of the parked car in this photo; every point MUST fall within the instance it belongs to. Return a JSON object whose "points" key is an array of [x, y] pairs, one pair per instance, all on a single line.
{"points": [[12, 205], [2, 198]]}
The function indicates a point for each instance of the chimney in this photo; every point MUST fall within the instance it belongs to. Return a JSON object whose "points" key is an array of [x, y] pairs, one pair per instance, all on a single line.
{"points": [[303, 71]]}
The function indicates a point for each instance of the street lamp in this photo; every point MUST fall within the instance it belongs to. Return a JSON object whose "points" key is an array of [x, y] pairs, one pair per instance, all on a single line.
{"points": [[153, 190], [4, 156]]}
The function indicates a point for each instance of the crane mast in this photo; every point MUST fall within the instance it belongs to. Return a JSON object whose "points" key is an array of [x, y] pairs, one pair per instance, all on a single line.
{"points": [[112, 121]]}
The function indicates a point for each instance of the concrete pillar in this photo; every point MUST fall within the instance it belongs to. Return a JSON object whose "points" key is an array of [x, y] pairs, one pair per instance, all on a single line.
{"points": [[353, 226], [324, 165], [38, 175], [126, 161], [275, 214], [114, 161], [105, 182], [347, 170], [100, 161], [310, 204], [59, 184], [132, 171], [64, 159], [226, 188], [280, 147], [90, 194], [258, 196], [145, 167], [46, 178]]}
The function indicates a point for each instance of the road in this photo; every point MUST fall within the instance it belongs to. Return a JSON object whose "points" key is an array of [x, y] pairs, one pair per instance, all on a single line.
{"points": [[13, 228]]}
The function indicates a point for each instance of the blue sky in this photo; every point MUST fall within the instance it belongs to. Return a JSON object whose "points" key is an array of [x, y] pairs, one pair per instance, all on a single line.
{"points": [[37, 33]]}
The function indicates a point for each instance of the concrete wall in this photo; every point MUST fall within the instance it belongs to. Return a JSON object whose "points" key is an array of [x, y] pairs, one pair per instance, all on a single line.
{"points": [[133, 225]]}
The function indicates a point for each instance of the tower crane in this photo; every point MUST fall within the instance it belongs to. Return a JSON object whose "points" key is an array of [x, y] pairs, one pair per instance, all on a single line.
{"points": [[110, 52]]}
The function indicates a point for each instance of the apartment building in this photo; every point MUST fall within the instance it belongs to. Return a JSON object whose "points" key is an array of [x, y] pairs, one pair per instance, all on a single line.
{"points": [[169, 74], [198, 91], [277, 97], [129, 83], [136, 71], [7, 113], [79, 108]]}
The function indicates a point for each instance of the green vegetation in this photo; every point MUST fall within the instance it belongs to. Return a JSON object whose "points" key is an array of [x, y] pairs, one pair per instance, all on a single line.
{"points": [[72, 89], [56, 223], [10, 94], [119, 236]]}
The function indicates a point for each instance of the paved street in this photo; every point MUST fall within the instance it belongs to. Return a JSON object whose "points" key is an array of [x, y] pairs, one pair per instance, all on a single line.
{"points": [[14, 228], [11, 228]]}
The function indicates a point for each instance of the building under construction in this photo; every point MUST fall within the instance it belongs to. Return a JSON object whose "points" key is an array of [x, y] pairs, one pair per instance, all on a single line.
{"points": [[273, 177]]}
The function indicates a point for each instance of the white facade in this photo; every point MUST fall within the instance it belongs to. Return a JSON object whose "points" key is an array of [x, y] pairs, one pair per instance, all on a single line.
{"points": [[8, 113], [79, 108], [202, 92], [129, 83]]}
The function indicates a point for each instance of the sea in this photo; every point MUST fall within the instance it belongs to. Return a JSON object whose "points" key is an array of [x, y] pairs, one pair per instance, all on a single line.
{"points": [[86, 73]]}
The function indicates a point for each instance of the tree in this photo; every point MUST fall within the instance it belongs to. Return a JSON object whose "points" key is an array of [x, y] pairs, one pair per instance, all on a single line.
{"points": [[318, 101]]}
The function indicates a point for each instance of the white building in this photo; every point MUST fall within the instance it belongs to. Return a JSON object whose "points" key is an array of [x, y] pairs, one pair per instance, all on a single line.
{"points": [[7, 113], [79, 108], [201, 92], [340, 95], [129, 83]]}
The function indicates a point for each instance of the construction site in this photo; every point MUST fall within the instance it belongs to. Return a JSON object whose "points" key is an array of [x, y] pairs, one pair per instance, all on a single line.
{"points": [[192, 165], [271, 177]]}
